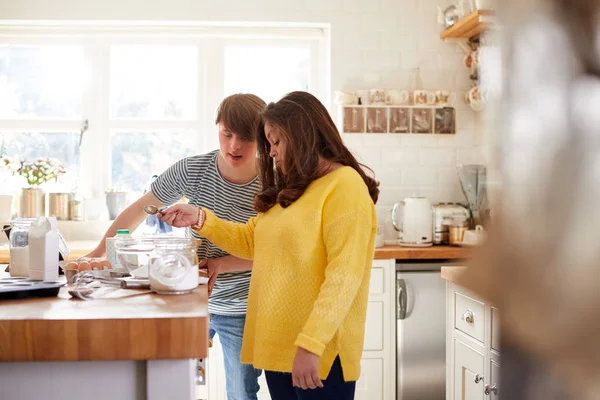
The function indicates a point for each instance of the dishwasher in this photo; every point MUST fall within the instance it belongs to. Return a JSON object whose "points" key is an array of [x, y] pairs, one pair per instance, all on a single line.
{"points": [[421, 330]]}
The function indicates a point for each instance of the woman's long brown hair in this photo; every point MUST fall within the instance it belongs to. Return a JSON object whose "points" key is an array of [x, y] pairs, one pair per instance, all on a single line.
{"points": [[309, 132]]}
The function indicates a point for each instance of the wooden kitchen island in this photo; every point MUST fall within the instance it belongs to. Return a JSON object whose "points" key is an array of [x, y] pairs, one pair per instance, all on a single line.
{"points": [[133, 344]]}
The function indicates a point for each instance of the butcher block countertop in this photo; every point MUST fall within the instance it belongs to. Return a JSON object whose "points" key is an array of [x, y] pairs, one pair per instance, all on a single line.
{"points": [[453, 274], [421, 253], [126, 325], [79, 249]]}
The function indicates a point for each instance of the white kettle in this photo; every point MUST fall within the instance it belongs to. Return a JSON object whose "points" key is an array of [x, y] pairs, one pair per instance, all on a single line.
{"points": [[413, 218]]}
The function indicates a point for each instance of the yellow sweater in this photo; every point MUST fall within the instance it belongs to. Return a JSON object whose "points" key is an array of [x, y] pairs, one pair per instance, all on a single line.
{"points": [[310, 277]]}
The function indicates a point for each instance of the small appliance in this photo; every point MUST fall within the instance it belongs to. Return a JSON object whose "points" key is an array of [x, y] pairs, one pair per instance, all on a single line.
{"points": [[412, 218], [445, 210]]}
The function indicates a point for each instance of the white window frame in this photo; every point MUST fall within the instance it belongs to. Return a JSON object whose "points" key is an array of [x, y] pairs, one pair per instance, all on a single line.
{"points": [[209, 37]]}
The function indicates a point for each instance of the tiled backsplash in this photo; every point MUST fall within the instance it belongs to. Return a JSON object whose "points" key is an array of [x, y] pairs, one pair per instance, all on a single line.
{"points": [[374, 44]]}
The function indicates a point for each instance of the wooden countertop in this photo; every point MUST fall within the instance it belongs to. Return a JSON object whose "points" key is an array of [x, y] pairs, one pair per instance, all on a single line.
{"points": [[453, 274], [382, 253], [421, 253], [127, 325]]}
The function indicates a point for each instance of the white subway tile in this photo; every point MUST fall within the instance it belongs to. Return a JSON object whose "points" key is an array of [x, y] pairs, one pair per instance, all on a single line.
{"points": [[465, 119], [383, 60], [352, 141], [370, 156], [324, 5], [399, 157], [438, 193], [404, 43], [416, 140], [388, 176], [462, 138], [389, 195], [410, 59], [383, 141], [464, 155], [437, 157], [361, 40], [447, 176], [382, 22], [419, 176], [450, 61]]}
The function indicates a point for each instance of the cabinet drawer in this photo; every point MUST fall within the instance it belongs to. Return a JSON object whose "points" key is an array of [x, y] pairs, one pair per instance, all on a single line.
{"points": [[374, 326], [376, 285], [468, 316]]}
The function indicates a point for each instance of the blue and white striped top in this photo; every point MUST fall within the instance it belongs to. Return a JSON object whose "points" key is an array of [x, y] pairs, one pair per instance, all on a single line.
{"points": [[198, 179]]}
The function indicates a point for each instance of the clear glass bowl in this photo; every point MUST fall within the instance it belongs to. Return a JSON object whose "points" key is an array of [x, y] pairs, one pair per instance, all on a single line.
{"points": [[169, 262]]}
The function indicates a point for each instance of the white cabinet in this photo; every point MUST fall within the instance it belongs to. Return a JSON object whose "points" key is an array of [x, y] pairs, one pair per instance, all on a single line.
{"points": [[472, 347], [469, 364], [378, 363], [371, 383]]}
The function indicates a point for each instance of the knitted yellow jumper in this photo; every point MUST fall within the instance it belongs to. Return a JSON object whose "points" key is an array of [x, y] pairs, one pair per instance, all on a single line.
{"points": [[310, 276]]}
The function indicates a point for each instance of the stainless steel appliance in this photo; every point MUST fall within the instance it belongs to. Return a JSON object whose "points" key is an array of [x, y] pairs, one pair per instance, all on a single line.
{"points": [[440, 211], [420, 331]]}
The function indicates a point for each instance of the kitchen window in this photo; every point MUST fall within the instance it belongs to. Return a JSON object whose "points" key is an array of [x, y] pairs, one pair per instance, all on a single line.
{"points": [[119, 103]]}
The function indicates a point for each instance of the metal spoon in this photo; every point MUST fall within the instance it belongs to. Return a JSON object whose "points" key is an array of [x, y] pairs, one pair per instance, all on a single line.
{"points": [[152, 210]]}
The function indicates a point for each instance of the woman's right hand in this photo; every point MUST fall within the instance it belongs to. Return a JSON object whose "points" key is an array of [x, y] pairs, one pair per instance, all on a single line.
{"points": [[180, 215]]}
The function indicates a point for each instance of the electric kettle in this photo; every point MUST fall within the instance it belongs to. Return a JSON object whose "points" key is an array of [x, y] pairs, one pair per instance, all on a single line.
{"points": [[413, 218]]}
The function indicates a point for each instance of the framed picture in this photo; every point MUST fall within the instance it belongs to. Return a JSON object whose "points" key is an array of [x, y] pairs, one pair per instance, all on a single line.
{"points": [[376, 120], [399, 120], [445, 120], [354, 120], [422, 120]]}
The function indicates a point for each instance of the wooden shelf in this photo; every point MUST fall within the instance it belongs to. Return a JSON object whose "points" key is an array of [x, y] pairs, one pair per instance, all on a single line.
{"points": [[469, 26]]}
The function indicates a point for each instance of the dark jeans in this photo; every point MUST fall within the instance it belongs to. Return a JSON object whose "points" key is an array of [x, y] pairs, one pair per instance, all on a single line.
{"points": [[334, 387]]}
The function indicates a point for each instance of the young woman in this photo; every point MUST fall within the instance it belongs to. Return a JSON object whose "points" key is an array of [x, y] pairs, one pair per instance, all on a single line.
{"points": [[312, 244], [224, 181]]}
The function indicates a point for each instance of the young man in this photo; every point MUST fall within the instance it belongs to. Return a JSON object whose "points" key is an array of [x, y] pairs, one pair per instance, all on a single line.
{"points": [[226, 181]]}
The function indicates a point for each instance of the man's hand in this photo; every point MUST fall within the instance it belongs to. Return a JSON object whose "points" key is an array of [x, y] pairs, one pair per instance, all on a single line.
{"points": [[213, 268]]}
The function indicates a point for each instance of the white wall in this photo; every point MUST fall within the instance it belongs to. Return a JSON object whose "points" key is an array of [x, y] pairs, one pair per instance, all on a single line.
{"points": [[374, 44]]}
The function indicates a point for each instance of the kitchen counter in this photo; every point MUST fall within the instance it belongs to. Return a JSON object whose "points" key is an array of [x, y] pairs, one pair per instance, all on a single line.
{"points": [[453, 274], [125, 326], [421, 253], [79, 249], [131, 344]]}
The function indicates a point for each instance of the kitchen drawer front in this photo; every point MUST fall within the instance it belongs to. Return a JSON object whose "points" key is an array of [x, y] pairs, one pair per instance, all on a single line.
{"points": [[376, 285], [469, 316]]}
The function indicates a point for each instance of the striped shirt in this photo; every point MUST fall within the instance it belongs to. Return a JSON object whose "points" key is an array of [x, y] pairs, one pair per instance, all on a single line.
{"points": [[198, 179]]}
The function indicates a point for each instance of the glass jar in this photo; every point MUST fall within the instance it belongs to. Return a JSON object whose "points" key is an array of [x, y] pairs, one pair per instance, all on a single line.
{"points": [[19, 246], [173, 265], [457, 225]]}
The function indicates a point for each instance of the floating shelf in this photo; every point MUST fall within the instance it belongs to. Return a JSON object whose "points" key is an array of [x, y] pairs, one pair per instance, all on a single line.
{"points": [[469, 26]]}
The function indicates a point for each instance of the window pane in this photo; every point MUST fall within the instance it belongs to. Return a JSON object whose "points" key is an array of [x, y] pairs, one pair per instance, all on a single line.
{"points": [[153, 82], [63, 146], [136, 156], [268, 72], [41, 81]]}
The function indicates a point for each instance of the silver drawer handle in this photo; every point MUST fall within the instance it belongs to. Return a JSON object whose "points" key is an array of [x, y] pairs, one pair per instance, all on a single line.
{"points": [[478, 378], [469, 317], [490, 389]]}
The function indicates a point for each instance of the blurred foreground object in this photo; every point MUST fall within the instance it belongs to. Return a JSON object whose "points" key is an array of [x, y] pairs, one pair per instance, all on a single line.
{"points": [[541, 262]]}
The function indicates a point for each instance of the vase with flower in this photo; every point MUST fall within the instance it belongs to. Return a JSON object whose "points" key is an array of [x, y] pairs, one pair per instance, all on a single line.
{"points": [[37, 173]]}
